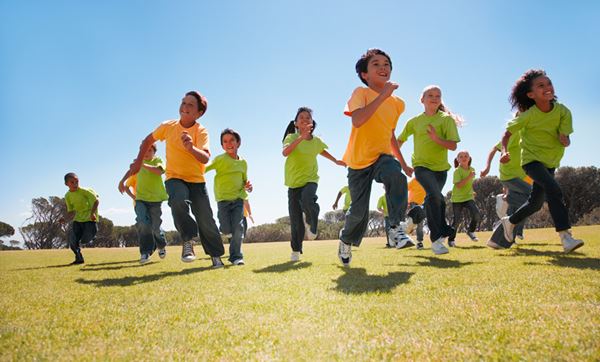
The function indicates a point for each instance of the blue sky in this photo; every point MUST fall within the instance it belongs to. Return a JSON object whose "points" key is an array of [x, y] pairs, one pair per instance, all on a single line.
{"points": [[82, 82]]}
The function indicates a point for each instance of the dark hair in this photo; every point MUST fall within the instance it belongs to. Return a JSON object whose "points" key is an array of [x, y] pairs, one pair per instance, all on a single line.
{"points": [[456, 159], [518, 96], [291, 127], [202, 102], [69, 176], [363, 62], [231, 132], [153, 147]]}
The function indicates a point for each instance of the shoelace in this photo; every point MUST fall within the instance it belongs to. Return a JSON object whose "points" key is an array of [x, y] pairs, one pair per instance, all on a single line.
{"points": [[188, 248]]}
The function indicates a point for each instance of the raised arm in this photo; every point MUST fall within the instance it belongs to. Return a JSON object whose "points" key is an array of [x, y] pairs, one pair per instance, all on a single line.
{"points": [[362, 115], [328, 156], [201, 155], [490, 157], [464, 181], [505, 155]]}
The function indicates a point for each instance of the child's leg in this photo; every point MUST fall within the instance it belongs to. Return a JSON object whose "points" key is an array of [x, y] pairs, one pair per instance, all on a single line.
{"points": [[296, 222], [223, 214], [457, 209], [435, 206], [179, 201], [155, 212], [518, 193], [420, 231], [308, 200], [386, 225], [357, 217], [236, 214], [75, 233], [143, 226], [207, 228], [389, 172], [475, 215]]}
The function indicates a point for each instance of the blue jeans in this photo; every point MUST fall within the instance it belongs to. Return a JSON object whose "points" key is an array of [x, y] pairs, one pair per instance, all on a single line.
{"points": [[231, 215], [546, 188], [148, 226], [518, 193], [385, 170], [435, 203], [302, 200], [184, 196], [457, 208], [81, 233]]}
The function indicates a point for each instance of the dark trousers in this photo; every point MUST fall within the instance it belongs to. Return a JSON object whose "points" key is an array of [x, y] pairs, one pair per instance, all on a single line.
{"points": [[231, 215], [545, 188], [184, 196], [81, 233], [385, 170], [518, 193], [302, 200], [457, 209], [147, 225], [435, 203]]}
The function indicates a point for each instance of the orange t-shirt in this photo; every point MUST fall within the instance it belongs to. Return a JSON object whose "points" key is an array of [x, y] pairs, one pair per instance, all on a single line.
{"points": [[416, 192]]}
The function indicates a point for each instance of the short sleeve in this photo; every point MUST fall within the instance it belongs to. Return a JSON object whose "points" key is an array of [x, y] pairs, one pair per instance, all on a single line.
{"points": [[68, 202], [322, 145], [202, 139], [407, 131], [357, 101], [499, 146], [159, 163], [213, 165], [160, 133], [456, 177], [516, 124], [289, 139], [566, 122], [451, 131]]}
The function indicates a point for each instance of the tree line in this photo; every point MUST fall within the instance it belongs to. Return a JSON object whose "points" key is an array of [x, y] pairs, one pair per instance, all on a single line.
{"points": [[580, 185]]}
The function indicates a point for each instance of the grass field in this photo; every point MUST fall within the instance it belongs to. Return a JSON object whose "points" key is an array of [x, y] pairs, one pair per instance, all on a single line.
{"points": [[528, 303]]}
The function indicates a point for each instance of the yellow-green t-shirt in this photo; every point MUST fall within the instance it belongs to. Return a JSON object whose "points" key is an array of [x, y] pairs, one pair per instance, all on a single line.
{"points": [[81, 201], [373, 139], [426, 152], [416, 192], [539, 134], [149, 186], [180, 163], [231, 177], [347, 198], [465, 193], [301, 164], [382, 205], [512, 169]]}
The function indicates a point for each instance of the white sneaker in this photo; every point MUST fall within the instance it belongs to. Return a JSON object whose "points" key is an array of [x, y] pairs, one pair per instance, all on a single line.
{"points": [[295, 256], [398, 236], [569, 242], [438, 247], [509, 228], [225, 237], [239, 262], [309, 234], [187, 252], [472, 236], [145, 259], [345, 253]]}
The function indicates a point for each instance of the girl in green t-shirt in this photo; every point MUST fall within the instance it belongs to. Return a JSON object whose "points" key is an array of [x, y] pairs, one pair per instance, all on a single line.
{"points": [[301, 148], [463, 196], [545, 126]]}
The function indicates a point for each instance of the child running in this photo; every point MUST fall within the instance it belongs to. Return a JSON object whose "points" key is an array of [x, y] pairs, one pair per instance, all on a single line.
{"points": [[371, 150], [435, 132], [187, 154], [148, 196], [347, 199], [463, 196], [545, 126], [82, 208], [301, 148], [416, 214], [231, 185], [382, 208]]}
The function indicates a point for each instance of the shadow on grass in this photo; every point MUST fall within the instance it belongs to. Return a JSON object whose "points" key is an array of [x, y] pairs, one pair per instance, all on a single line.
{"points": [[50, 266], [283, 267], [113, 263], [520, 251], [573, 262], [134, 280], [472, 247], [357, 281], [137, 265], [442, 263]]}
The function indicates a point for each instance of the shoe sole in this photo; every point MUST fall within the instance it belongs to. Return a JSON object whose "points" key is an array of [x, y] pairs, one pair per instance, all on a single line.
{"points": [[574, 248], [407, 244], [218, 266], [441, 252], [187, 260], [493, 245]]}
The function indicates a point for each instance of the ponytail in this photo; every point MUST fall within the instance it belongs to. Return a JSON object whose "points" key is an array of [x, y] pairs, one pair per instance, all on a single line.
{"points": [[291, 128]]}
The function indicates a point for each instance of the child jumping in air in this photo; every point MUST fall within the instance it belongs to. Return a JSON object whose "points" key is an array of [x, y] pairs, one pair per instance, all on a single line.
{"points": [[149, 195], [463, 196], [301, 148], [187, 154], [545, 126], [435, 132], [82, 208], [370, 152], [231, 185]]}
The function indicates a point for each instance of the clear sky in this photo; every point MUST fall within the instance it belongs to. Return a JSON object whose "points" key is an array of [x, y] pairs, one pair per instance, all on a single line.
{"points": [[83, 82]]}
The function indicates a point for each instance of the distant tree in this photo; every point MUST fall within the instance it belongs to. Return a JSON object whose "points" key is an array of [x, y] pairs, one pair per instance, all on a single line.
{"points": [[104, 236], [15, 243], [486, 189], [581, 189], [173, 238], [6, 230], [125, 236], [46, 231]]}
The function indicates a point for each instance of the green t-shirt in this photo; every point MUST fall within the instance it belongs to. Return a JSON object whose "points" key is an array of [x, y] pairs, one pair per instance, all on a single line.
{"points": [[539, 134], [465, 193], [231, 177], [301, 164], [347, 198], [81, 201], [382, 204], [427, 153], [150, 186], [512, 169]]}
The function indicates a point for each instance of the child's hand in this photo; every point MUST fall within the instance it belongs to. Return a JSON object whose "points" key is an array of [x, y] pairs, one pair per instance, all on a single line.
{"points": [[505, 157], [472, 174], [248, 186], [93, 217], [388, 89], [408, 170], [305, 133], [564, 139], [340, 163], [334, 206], [187, 140], [431, 132], [484, 172]]}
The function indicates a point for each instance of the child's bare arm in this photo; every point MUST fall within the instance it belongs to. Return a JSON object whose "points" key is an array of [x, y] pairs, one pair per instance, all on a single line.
{"points": [[335, 203], [137, 163], [362, 115], [464, 181], [450, 145], [122, 187], [202, 155], [94, 209], [505, 155], [398, 154], [157, 170], [328, 156], [564, 139], [488, 162]]}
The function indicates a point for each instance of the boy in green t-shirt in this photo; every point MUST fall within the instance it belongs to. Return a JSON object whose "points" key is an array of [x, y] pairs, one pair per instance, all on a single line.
{"points": [[149, 195], [231, 185], [347, 199], [82, 208]]}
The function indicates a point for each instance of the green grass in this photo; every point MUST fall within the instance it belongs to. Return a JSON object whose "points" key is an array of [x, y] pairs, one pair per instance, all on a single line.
{"points": [[531, 302]]}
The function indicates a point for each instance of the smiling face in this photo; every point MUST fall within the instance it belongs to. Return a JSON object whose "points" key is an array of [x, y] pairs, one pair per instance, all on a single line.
{"points": [[304, 122], [463, 158], [378, 72], [432, 98], [188, 110], [542, 90], [72, 183], [230, 144]]}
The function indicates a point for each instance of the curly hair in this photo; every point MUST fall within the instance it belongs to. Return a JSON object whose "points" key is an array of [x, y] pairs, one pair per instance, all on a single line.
{"points": [[518, 96], [363, 62]]}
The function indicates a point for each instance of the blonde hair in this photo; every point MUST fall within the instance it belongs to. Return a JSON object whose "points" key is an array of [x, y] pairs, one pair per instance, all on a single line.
{"points": [[458, 119]]}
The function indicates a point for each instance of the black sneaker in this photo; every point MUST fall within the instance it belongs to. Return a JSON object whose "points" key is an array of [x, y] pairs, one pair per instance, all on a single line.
{"points": [[420, 245], [216, 262]]}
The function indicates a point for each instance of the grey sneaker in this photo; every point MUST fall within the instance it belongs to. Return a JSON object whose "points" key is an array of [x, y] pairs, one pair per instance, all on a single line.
{"points": [[398, 235], [438, 247], [569, 242], [216, 262], [145, 259], [225, 237], [187, 252], [239, 262], [345, 253], [162, 253], [295, 256], [508, 229], [472, 236]]}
